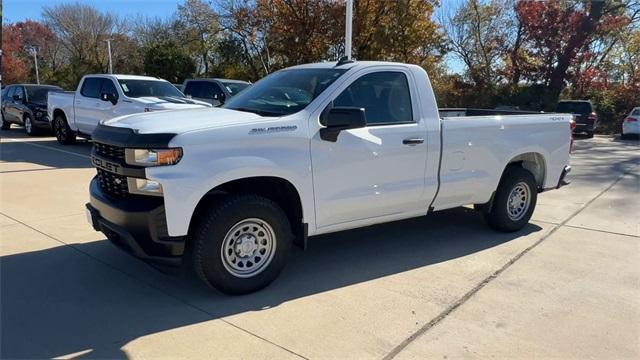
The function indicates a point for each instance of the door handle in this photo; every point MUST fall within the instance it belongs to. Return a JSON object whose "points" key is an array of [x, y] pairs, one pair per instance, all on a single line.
{"points": [[413, 141]]}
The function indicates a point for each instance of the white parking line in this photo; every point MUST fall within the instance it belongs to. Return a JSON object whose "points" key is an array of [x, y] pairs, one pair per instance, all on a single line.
{"points": [[49, 147]]}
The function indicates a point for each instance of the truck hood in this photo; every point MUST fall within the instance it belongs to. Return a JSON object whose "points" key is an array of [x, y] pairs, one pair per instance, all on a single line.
{"points": [[170, 102], [181, 121]]}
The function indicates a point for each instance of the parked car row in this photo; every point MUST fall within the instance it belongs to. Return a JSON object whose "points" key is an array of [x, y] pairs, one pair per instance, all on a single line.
{"points": [[101, 97], [631, 124], [26, 105]]}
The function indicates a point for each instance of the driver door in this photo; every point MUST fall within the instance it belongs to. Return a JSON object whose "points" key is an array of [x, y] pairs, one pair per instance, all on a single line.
{"points": [[378, 170]]}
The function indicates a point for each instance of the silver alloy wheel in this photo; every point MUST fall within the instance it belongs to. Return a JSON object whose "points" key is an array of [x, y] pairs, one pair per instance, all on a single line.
{"points": [[28, 126], [248, 248], [518, 201]]}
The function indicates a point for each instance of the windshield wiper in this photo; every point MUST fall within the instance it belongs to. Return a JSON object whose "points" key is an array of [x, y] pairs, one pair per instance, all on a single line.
{"points": [[257, 111]]}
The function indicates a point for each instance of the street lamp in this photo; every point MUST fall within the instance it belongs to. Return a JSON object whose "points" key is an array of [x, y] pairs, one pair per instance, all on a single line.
{"points": [[109, 51], [34, 51]]}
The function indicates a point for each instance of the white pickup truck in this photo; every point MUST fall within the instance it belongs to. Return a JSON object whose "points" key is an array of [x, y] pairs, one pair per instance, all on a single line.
{"points": [[101, 97], [309, 150]]}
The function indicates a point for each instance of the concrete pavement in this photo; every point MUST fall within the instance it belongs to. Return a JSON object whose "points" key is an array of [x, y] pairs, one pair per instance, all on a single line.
{"points": [[445, 285]]}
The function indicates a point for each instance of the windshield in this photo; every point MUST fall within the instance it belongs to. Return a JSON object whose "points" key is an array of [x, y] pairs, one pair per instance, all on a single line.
{"points": [[284, 92], [39, 94], [155, 88], [574, 107], [235, 87]]}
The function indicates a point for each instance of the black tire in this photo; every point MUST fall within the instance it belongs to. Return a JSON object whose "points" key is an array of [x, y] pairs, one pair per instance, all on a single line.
{"points": [[29, 128], [500, 217], [3, 124], [589, 134], [62, 131], [212, 234]]}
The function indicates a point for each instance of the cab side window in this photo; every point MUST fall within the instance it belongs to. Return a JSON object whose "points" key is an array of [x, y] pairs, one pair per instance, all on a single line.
{"points": [[19, 92], [91, 87], [384, 96], [109, 88], [636, 112], [194, 89], [9, 93]]}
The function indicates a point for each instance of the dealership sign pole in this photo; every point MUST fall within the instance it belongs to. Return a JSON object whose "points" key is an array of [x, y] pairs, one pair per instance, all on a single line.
{"points": [[109, 51], [348, 26]]}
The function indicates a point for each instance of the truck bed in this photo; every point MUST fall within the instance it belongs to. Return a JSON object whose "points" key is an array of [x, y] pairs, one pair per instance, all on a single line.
{"points": [[476, 147]]}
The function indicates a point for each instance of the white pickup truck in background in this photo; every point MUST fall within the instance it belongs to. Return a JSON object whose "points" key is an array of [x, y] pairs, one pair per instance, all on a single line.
{"points": [[102, 97], [309, 150]]}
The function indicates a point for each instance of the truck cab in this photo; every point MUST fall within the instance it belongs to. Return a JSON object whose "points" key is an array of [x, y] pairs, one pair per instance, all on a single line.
{"points": [[104, 96], [309, 150]]}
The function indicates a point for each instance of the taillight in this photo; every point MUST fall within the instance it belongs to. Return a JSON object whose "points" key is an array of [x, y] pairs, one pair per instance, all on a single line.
{"points": [[630, 119], [572, 126]]}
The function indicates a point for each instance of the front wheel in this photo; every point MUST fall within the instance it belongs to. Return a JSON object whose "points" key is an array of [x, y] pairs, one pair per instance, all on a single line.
{"points": [[62, 131], [514, 201], [4, 125], [241, 243]]}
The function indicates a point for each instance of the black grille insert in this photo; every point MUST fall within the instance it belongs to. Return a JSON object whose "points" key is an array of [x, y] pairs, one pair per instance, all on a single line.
{"points": [[109, 151], [113, 184]]}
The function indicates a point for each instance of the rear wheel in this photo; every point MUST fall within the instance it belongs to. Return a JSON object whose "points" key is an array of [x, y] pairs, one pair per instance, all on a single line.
{"points": [[28, 126], [241, 243], [514, 201], [62, 131], [589, 134]]}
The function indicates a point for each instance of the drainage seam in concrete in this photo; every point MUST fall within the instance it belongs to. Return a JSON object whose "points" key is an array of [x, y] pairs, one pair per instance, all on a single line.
{"points": [[588, 229], [162, 291], [601, 231], [451, 308], [49, 147]]}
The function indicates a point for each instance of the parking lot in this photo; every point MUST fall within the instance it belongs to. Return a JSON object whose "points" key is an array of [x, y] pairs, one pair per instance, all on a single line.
{"points": [[441, 286]]}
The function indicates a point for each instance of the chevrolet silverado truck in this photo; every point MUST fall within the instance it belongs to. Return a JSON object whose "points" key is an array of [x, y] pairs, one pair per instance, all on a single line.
{"points": [[309, 150], [102, 97]]}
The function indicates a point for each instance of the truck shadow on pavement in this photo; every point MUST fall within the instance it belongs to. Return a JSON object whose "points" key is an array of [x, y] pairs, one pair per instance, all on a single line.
{"points": [[93, 298], [45, 152]]}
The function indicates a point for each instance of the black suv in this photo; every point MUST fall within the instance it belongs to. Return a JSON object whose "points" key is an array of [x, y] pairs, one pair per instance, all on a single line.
{"points": [[213, 91], [585, 115], [26, 105]]}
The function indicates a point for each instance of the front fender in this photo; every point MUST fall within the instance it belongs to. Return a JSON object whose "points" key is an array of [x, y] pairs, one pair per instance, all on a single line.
{"points": [[185, 185]]}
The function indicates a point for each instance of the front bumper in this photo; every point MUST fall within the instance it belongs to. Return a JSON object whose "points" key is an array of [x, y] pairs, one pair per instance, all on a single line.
{"points": [[136, 224]]}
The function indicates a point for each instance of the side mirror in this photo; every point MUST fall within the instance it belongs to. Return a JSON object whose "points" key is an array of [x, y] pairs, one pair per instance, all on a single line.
{"points": [[338, 119], [17, 98], [220, 97], [109, 97]]}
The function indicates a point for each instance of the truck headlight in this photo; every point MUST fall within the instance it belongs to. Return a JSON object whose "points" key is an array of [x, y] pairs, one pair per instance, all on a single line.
{"points": [[153, 157], [144, 187]]}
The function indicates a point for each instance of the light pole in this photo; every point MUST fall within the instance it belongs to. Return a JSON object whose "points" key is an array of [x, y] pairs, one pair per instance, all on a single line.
{"points": [[109, 51], [34, 51], [347, 32]]}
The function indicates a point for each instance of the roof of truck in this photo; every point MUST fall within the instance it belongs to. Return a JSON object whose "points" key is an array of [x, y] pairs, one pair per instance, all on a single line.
{"points": [[127, 77], [348, 65]]}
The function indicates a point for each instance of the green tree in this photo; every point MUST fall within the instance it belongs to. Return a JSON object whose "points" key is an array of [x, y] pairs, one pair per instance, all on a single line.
{"points": [[165, 60]]}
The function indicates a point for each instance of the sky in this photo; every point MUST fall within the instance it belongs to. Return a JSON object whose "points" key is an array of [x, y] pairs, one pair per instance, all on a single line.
{"points": [[20, 10]]}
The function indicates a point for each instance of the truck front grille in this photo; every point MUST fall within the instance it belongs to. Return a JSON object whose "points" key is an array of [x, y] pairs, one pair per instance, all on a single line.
{"points": [[113, 184], [109, 151]]}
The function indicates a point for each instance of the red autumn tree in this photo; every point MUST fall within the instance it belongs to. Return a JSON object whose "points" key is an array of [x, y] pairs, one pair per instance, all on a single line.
{"points": [[557, 35], [14, 68]]}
